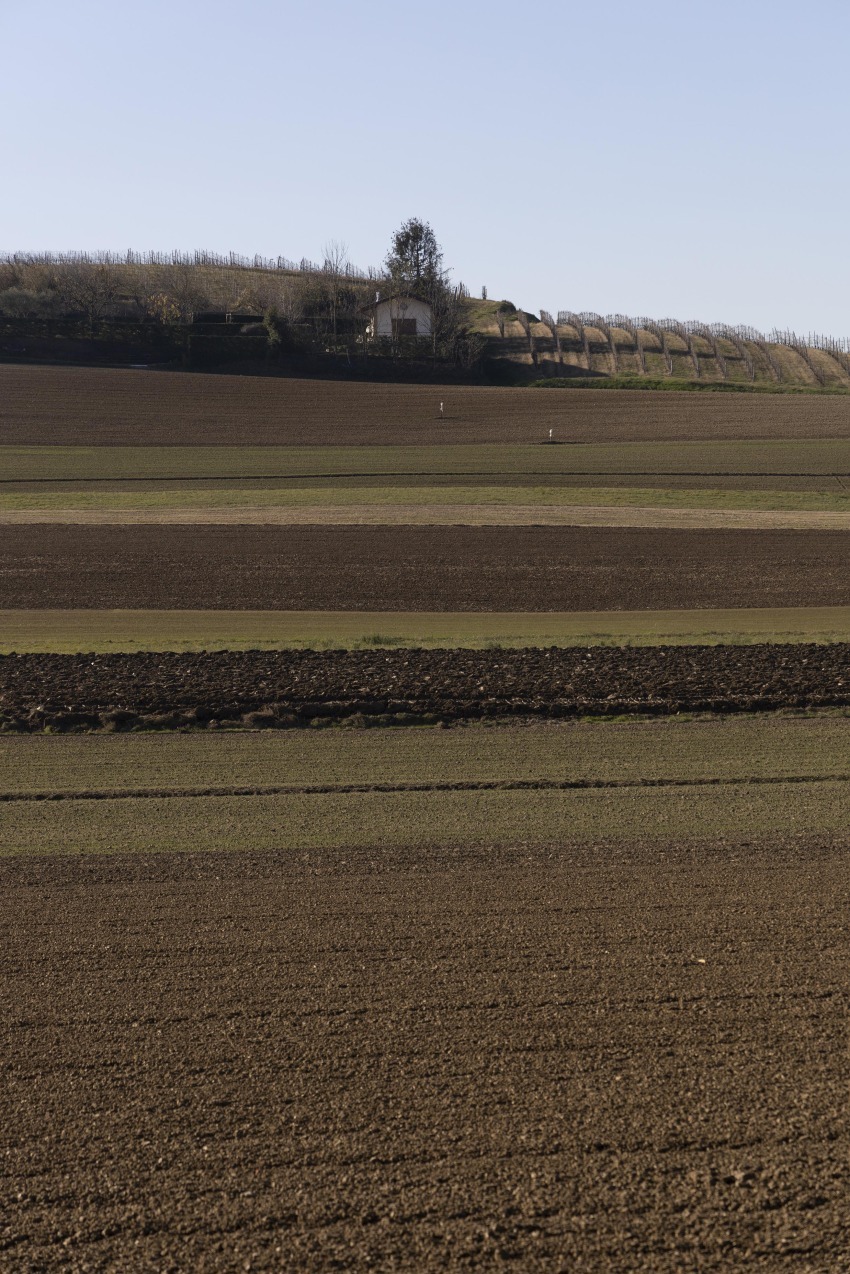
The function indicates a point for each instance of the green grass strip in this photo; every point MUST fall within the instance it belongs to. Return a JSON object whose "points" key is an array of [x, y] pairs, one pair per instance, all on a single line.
{"points": [[480, 819], [31, 464], [681, 385], [178, 497], [70, 631], [759, 747]]}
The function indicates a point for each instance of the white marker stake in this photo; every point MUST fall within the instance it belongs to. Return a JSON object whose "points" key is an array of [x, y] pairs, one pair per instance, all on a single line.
{"points": [[441, 409]]}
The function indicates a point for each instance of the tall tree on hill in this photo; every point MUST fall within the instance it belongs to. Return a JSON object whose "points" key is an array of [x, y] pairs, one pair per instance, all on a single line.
{"points": [[415, 264], [415, 259]]}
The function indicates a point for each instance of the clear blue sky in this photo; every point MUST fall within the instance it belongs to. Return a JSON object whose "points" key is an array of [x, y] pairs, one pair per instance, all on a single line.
{"points": [[658, 158]]}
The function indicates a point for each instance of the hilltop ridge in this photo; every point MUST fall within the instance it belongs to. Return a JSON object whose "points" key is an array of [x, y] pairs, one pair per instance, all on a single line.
{"points": [[203, 311]]}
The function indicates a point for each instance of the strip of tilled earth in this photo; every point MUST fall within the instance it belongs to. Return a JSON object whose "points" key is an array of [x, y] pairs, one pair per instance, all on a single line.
{"points": [[614, 1057], [292, 688], [420, 568], [109, 407], [463, 785]]}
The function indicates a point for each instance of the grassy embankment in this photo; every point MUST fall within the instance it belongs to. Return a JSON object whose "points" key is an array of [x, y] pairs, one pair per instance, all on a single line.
{"points": [[681, 385], [753, 777]]}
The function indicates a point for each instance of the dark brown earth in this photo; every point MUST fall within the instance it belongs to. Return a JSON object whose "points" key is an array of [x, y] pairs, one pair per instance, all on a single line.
{"points": [[830, 483], [622, 1058], [287, 688], [78, 406], [419, 568]]}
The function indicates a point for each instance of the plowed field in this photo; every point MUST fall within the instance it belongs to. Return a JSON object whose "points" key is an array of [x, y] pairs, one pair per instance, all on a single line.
{"points": [[610, 1058], [554, 995], [283, 688], [419, 568], [106, 407]]}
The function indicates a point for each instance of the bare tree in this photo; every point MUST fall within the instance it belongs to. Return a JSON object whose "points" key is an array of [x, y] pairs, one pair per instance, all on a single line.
{"points": [[87, 287], [525, 324], [589, 318], [597, 321], [839, 356], [547, 320], [574, 321], [336, 268], [183, 286], [625, 324], [710, 338], [446, 311], [141, 285], [801, 348], [772, 361], [673, 325], [656, 330], [741, 350]]}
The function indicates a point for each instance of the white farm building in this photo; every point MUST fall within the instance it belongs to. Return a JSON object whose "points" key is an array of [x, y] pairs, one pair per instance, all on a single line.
{"points": [[400, 316]]}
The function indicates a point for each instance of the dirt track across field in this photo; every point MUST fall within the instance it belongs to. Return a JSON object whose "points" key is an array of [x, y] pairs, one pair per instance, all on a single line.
{"points": [[420, 568], [268, 689], [624, 1057], [438, 515], [100, 406]]}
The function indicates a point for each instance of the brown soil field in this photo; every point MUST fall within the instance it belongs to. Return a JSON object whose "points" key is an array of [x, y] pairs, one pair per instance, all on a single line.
{"points": [[99, 406], [437, 515], [419, 568], [623, 1056], [828, 483], [277, 688]]}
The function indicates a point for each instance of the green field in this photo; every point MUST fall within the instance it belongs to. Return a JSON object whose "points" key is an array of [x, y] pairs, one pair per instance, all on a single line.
{"points": [[834, 500], [680, 384], [814, 457], [72, 631], [742, 776], [419, 820], [760, 746]]}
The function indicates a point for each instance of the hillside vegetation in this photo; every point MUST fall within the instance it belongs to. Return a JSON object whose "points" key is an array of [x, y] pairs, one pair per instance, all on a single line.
{"points": [[203, 310], [634, 352]]}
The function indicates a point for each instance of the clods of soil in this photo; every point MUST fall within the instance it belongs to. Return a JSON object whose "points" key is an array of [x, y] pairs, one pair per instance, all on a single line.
{"points": [[289, 688]]}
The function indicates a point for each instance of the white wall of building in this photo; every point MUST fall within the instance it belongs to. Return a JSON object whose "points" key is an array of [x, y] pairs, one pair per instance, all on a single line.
{"points": [[405, 308]]}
